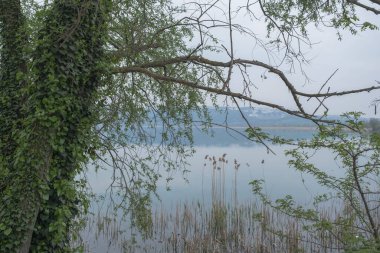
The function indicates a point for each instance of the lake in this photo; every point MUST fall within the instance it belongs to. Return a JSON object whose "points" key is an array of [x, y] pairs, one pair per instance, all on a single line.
{"points": [[237, 162]]}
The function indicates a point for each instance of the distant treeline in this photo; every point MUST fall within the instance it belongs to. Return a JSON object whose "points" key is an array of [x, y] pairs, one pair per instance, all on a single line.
{"points": [[373, 125]]}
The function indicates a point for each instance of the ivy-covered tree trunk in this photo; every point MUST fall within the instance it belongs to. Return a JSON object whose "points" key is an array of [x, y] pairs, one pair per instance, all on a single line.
{"points": [[12, 64], [47, 134]]}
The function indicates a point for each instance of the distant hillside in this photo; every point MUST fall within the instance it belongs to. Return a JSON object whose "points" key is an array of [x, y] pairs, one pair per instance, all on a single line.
{"points": [[260, 117]]}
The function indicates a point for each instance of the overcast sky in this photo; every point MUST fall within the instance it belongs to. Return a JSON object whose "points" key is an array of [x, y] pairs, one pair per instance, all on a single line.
{"points": [[357, 58]]}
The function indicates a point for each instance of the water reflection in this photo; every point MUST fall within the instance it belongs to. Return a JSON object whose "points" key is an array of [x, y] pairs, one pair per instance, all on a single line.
{"points": [[234, 166]]}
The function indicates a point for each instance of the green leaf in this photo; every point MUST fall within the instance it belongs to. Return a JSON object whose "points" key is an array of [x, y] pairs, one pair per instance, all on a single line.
{"points": [[8, 231]]}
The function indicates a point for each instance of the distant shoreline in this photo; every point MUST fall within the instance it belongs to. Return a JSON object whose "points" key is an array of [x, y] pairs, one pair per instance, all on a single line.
{"points": [[302, 128]]}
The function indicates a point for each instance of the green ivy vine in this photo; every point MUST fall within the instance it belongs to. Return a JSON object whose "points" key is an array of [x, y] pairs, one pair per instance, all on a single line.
{"points": [[42, 197]]}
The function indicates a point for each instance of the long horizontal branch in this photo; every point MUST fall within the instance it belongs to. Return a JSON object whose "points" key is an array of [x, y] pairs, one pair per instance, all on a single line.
{"points": [[219, 91], [197, 86], [227, 64]]}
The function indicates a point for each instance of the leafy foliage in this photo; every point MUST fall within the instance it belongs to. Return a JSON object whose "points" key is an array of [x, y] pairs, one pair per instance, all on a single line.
{"points": [[94, 80], [69, 110], [144, 124], [292, 15], [54, 122], [356, 187]]}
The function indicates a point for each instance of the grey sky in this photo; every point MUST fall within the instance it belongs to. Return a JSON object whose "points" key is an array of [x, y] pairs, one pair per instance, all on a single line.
{"points": [[357, 58]]}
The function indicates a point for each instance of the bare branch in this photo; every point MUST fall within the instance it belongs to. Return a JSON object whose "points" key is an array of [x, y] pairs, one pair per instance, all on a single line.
{"points": [[193, 58], [366, 7]]}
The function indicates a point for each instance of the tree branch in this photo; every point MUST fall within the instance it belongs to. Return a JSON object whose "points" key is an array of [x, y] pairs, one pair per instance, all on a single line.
{"points": [[219, 91], [366, 7], [199, 59]]}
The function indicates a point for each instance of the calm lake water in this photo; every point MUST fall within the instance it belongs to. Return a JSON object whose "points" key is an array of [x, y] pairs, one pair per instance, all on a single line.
{"points": [[255, 163]]}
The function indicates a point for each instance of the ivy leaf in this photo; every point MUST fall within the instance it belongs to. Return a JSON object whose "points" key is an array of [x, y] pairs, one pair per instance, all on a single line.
{"points": [[7, 231]]}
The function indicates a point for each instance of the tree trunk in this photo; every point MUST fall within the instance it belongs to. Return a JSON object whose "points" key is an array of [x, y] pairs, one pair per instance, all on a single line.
{"points": [[16, 198], [43, 140]]}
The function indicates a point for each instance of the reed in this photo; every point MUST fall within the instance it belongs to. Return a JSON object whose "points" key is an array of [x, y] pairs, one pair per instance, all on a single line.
{"points": [[223, 226]]}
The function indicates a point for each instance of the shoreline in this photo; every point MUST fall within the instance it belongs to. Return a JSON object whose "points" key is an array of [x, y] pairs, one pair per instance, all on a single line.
{"points": [[303, 128]]}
